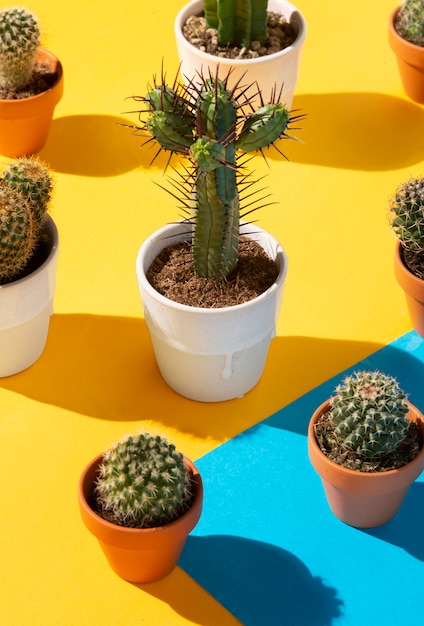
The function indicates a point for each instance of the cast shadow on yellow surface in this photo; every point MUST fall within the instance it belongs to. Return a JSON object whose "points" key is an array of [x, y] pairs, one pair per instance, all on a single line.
{"points": [[356, 131], [97, 145], [104, 367]]}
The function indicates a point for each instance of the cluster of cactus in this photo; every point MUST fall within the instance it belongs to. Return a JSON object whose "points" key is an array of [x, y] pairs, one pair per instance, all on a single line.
{"points": [[25, 193], [410, 21], [143, 482], [19, 41], [369, 413], [407, 214], [207, 122], [237, 21]]}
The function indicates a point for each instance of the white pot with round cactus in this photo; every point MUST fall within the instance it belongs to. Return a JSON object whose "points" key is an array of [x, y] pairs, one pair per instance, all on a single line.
{"points": [[366, 443], [263, 50], [31, 84], [406, 214], [210, 348], [28, 261], [406, 38], [140, 499]]}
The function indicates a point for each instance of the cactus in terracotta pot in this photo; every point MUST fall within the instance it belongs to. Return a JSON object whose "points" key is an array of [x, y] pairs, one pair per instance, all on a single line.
{"points": [[143, 482], [19, 42], [409, 21], [237, 21], [25, 194]]}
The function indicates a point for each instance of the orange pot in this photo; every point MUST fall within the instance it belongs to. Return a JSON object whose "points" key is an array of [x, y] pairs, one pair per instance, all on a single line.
{"points": [[414, 291], [363, 499], [25, 123], [410, 59], [139, 555]]}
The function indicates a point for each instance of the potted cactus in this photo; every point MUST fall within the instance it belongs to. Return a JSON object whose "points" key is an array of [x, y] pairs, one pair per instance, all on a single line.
{"points": [[406, 38], [140, 499], [260, 40], [209, 350], [31, 84], [407, 224], [366, 443], [28, 260]]}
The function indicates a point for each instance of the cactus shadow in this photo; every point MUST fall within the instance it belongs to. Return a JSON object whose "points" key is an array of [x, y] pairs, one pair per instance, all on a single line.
{"points": [[356, 131], [260, 583], [96, 145]]}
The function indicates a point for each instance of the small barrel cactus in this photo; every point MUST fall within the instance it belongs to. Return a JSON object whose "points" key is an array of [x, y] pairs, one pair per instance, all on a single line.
{"points": [[19, 42], [369, 412], [237, 21], [409, 21], [143, 482], [25, 194], [407, 214]]}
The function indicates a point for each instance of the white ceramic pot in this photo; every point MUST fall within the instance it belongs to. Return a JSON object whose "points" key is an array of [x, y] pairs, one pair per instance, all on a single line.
{"points": [[274, 70], [25, 309], [210, 355]]}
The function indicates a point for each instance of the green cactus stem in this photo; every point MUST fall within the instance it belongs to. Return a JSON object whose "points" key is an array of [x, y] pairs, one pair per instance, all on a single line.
{"points": [[409, 21], [237, 21], [143, 482], [407, 214], [19, 42]]}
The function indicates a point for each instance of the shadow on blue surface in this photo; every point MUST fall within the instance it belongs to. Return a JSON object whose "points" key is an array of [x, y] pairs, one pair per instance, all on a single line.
{"points": [[269, 585]]}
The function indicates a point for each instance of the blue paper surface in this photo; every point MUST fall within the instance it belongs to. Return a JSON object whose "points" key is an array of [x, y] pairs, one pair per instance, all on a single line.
{"points": [[269, 549]]}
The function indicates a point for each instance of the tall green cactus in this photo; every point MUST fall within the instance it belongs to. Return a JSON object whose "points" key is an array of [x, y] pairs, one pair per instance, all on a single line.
{"points": [[409, 21], [237, 21], [19, 41], [407, 214], [25, 194], [207, 123], [369, 413]]}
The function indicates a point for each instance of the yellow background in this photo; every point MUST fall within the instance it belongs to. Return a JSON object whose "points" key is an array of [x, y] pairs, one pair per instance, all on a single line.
{"points": [[97, 378]]}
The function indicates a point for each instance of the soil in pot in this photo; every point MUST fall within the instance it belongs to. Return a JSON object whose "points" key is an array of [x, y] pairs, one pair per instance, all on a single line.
{"points": [[172, 274], [414, 261], [43, 78], [281, 34]]}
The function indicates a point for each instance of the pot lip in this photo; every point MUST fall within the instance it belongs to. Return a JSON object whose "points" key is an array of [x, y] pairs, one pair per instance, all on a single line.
{"points": [[354, 474], [53, 232], [398, 43], [116, 528], [188, 10], [147, 287]]}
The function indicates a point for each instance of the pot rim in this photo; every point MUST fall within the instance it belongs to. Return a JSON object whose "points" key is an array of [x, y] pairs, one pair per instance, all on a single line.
{"points": [[401, 46]]}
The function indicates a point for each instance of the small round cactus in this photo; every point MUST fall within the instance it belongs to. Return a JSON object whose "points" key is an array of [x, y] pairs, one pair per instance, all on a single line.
{"points": [[19, 41], [407, 214], [409, 21], [369, 412], [143, 482], [25, 194]]}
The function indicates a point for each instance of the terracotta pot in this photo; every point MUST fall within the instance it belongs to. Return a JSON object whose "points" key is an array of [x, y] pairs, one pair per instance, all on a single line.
{"points": [[410, 59], [364, 499], [139, 555], [414, 291], [25, 123]]}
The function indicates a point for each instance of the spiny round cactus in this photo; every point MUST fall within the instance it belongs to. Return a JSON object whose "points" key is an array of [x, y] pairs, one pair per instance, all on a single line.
{"points": [[369, 413], [25, 194], [143, 482], [407, 214], [19, 41], [410, 21]]}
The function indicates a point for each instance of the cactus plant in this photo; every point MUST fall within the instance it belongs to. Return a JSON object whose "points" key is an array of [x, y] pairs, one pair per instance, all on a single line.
{"points": [[407, 214], [409, 22], [143, 482], [369, 413], [207, 123], [237, 21], [25, 194], [19, 42]]}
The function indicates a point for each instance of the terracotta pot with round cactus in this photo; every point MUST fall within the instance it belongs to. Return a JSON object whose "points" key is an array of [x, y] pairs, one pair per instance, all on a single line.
{"points": [[406, 38], [28, 259], [31, 84], [140, 499], [406, 214], [366, 443]]}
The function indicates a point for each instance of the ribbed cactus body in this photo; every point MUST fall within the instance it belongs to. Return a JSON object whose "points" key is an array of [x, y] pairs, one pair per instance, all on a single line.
{"points": [[143, 482], [205, 123], [407, 214], [237, 21], [410, 21], [369, 413], [25, 193], [19, 41]]}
